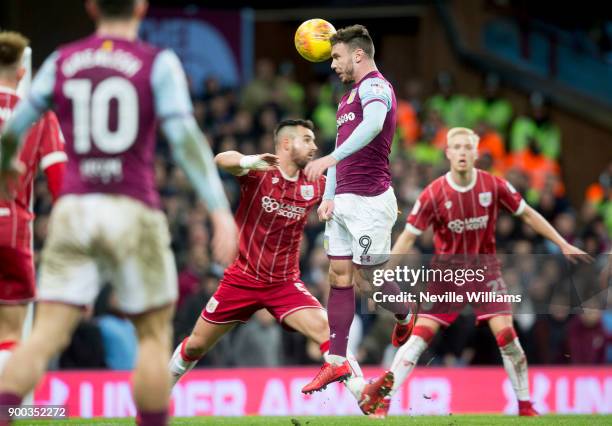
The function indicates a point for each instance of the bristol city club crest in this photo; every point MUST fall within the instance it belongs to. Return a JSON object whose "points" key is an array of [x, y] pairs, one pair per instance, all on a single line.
{"points": [[484, 198], [307, 192]]}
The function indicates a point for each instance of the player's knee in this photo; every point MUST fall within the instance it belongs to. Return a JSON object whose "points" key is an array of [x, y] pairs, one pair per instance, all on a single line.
{"points": [[154, 325], [340, 276], [196, 346]]}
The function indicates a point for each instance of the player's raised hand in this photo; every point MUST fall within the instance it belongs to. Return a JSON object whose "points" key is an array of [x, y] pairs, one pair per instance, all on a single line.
{"points": [[225, 236], [316, 168], [263, 162], [326, 210], [574, 254], [9, 178]]}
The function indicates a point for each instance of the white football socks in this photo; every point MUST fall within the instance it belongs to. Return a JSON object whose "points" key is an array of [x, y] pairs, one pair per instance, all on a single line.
{"points": [[406, 359], [515, 363], [178, 365]]}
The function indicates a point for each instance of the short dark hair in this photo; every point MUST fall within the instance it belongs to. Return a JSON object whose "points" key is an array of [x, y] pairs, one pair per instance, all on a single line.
{"points": [[116, 8], [12, 45], [293, 122], [356, 37]]}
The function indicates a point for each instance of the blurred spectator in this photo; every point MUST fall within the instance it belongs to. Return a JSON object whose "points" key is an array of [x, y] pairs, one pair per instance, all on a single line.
{"points": [[295, 91], [270, 88], [540, 169], [118, 333], [408, 109], [258, 341], [452, 107], [599, 195], [536, 129], [550, 343], [587, 337], [324, 112], [493, 109], [86, 349], [491, 149], [190, 277]]}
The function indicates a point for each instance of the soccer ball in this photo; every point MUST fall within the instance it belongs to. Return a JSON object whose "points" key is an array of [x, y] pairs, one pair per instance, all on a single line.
{"points": [[312, 40]]}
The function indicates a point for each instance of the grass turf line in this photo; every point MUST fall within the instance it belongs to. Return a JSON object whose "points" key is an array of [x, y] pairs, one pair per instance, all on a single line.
{"points": [[453, 420]]}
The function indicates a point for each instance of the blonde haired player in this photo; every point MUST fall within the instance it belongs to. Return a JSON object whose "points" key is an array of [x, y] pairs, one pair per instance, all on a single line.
{"points": [[462, 206], [110, 90]]}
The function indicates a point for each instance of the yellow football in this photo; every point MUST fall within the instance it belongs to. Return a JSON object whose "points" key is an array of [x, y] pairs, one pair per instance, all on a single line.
{"points": [[312, 40]]}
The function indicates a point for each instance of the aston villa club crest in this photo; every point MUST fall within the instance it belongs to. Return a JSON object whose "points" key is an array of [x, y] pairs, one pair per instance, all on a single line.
{"points": [[307, 192], [484, 198], [351, 97]]}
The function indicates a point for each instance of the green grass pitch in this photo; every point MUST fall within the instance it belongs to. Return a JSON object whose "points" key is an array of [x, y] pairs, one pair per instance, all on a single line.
{"points": [[457, 420]]}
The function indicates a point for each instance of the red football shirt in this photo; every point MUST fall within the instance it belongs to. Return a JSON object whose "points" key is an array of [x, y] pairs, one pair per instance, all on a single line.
{"points": [[44, 146], [464, 218], [271, 217]]}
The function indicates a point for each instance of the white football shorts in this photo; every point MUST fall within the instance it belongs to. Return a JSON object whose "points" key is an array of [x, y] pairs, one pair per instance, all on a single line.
{"points": [[98, 238], [360, 228]]}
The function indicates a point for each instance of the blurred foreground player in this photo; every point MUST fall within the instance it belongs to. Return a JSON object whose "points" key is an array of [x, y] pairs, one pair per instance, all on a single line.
{"points": [[109, 90], [359, 204], [44, 148], [462, 207]]}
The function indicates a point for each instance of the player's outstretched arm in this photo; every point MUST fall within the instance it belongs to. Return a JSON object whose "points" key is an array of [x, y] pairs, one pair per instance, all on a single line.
{"points": [[534, 219], [239, 164]]}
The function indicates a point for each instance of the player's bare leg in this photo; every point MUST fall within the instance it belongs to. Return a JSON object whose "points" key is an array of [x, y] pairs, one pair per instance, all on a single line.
{"points": [[53, 327], [152, 389], [187, 354], [407, 357], [515, 361], [312, 323], [12, 318], [341, 310]]}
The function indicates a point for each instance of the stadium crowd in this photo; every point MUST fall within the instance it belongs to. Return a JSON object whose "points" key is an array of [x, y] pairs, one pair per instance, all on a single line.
{"points": [[525, 149]]}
